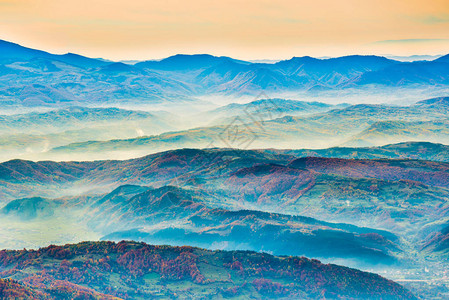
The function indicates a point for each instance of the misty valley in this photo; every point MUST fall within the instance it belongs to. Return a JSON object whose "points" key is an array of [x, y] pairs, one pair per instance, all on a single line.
{"points": [[203, 177]]}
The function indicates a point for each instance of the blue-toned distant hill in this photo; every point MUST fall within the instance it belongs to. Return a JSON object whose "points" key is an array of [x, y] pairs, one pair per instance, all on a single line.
{"points": [[288, 124], [441, 103], [11, 52], [443, 59], [265, 109], [70, 118], [72, 79], [120, 68], [407, 150], [30, 208], [184, 62], [422, 73], [32, 78], [36, 131], [332, 71], [390, 132]]}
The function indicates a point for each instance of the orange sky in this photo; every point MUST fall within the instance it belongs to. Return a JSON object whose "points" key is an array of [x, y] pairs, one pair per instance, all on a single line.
{"points": [[246, 29]]}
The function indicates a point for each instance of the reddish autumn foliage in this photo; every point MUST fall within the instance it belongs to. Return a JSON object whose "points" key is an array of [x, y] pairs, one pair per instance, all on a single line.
{"points": [[91, 269]]}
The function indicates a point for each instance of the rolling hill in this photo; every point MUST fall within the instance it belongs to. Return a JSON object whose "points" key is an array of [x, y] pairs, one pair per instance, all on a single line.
{"points": [[183, 62], [37, 132], [43, 79], [139, 271], [436, 243], [176, 216], [392, 132], [355, 125], [70, 118], [396, 195], [12, 52], [429, 73], [263, 110], [190, 221], [30, 208], [81, 160], [407, 150]]}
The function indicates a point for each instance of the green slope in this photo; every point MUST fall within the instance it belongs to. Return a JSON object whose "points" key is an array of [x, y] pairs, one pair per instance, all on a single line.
{"points": [[141, 271]]}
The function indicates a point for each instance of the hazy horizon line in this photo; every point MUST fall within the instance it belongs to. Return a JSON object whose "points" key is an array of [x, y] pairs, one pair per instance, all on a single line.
{"points": [[254, 60]]}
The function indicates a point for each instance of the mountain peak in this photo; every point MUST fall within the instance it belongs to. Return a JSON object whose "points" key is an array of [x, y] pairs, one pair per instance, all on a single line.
{"points": [[119, 67], [12, 52], [187, 62]]}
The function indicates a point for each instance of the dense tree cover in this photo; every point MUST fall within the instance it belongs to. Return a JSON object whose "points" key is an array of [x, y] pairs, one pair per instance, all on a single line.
{"points": [[12, 289], [132, 270], [198, 224]]}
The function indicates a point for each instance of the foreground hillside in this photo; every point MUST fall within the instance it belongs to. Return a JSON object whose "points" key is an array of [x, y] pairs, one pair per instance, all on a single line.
{"points": [[13, 289], [140, 271]]}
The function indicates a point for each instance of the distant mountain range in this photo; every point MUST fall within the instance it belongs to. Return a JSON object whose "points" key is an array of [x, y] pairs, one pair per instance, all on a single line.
{"points": [[13, 52], [44, 79], [413, 57], [217, 153]]}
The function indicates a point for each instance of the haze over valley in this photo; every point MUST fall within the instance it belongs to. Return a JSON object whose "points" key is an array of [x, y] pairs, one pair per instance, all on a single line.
{"points": [[201, 176]]}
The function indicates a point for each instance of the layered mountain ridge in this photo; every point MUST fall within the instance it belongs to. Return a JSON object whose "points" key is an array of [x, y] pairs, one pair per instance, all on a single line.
{"points": [[44, 79]]}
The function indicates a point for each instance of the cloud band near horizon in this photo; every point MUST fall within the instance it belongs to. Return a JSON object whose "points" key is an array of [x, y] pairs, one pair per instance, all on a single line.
{"points": [[246, 29]]}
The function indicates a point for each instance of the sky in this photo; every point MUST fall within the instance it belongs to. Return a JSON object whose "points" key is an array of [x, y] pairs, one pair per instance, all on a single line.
{"points": [[246, 29]]}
